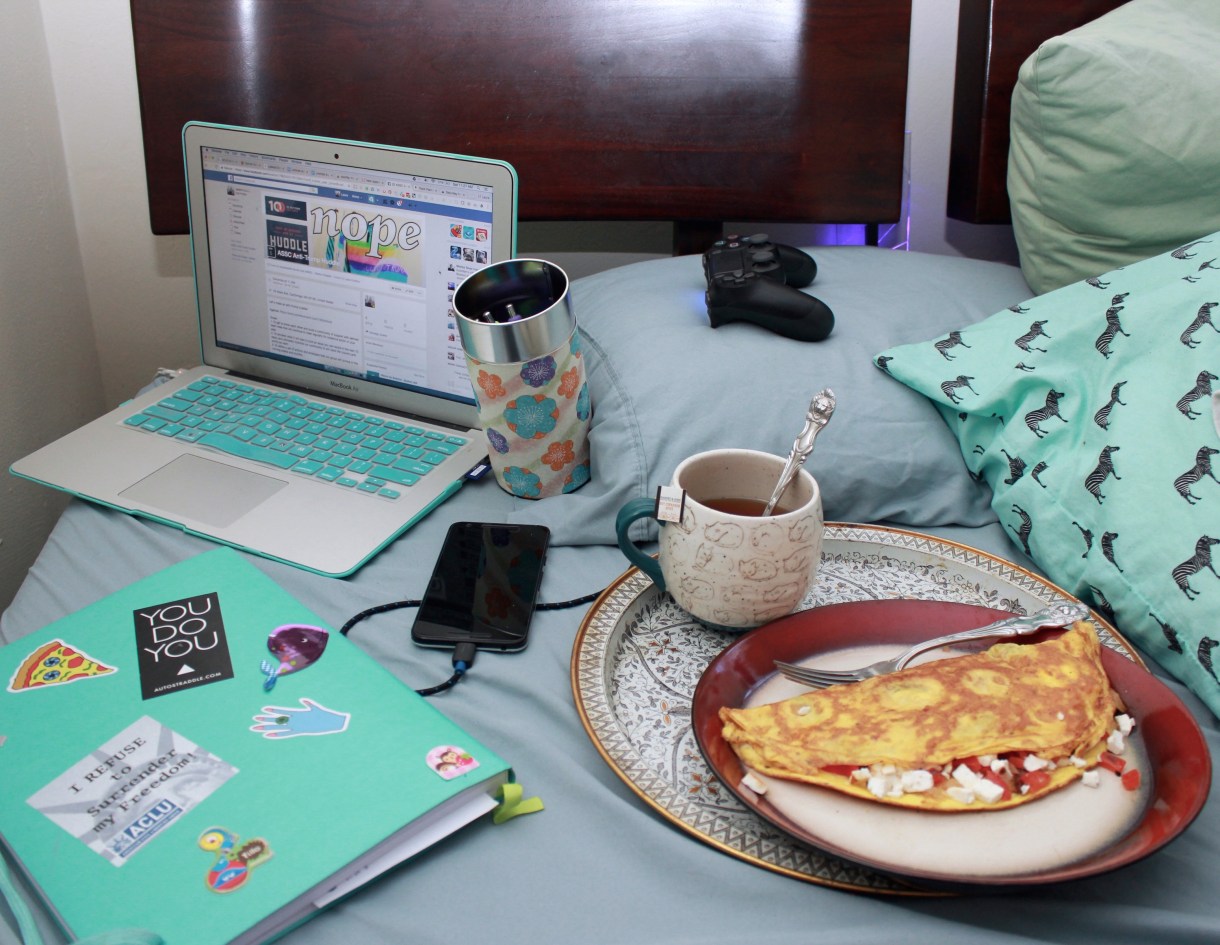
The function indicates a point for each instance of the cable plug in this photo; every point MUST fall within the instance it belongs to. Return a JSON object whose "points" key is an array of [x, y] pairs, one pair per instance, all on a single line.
{"points": [[463, 657]]}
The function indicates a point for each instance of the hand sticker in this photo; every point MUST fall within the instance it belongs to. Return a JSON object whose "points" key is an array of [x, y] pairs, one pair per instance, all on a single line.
{"points": [[313, 719]]}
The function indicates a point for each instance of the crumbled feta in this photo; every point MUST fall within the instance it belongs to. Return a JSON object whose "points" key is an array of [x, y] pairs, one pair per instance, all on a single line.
{"points": [[1091, 778], [965, 777], [1060, 716], [883, 785], [1126, 724], [967, 785], [1117, 742], [988, 791], [916, 782], [804, 710], [754, 783]]}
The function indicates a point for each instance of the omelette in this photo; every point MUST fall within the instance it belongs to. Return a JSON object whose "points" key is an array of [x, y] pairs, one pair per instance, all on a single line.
{"points": [[979, 732]]}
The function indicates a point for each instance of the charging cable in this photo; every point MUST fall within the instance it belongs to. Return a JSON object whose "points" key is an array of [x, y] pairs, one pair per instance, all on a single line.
{"points": [[463, 659], [463, 653]]}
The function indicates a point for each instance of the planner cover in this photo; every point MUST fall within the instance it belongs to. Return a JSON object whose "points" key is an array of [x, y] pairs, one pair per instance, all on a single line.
{"points": [[199, 756]]}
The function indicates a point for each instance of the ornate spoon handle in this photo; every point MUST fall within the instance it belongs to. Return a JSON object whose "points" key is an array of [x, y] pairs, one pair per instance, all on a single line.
{"points": [[816, 417]]}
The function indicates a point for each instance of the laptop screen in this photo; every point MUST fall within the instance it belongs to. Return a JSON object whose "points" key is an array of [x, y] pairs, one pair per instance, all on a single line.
{"points": [[346, 268]]}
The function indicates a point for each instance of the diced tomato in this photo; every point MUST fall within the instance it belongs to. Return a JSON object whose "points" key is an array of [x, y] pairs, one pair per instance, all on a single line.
{"points": [[974, 764], [1131, 779], [939, 777], [1111, 762], [844, 770], [1034, 780]]}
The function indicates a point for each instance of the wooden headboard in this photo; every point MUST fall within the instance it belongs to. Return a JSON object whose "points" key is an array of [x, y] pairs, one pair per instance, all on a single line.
{"points": [[696, 111], [993, 38]]}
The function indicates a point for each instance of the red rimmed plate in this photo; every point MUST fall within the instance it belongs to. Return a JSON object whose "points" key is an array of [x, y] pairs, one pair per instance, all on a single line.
{"points": [[1074, 833]]}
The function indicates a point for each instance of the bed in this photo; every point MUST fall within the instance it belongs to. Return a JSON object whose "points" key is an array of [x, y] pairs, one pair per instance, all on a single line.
{"points": [[938, 481]]}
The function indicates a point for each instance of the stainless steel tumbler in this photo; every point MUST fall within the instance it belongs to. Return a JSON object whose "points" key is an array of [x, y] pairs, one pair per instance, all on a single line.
{"points": [[523, 352]]}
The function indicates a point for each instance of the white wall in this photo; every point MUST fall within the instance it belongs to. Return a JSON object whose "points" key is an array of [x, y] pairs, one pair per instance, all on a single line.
{"points": [[140, 290], [48, 358], [72, 139], [930, 123]]}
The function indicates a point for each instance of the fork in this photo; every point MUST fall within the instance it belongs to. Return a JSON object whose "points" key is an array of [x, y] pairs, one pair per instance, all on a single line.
{"points": [[1060, 615]]}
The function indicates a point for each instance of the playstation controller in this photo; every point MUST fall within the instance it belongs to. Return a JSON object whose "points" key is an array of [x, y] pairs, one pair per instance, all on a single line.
{"points": [[751, 279]]}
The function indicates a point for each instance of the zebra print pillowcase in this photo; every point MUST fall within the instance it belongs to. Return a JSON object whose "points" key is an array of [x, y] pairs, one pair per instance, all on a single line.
{"points": [[1088, 410]]}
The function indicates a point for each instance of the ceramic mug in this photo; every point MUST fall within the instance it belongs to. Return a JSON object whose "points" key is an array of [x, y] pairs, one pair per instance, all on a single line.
{"points": [[727, 569]]}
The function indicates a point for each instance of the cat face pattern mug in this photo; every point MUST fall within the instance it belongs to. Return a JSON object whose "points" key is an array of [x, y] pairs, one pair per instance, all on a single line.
{"points": [[731, 570]]}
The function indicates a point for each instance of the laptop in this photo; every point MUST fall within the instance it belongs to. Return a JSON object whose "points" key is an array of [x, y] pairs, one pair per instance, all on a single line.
{"points": [[333, 408]]}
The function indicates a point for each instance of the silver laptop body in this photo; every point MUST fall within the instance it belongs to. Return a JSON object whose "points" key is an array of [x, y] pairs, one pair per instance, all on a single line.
{"points": [[333, 408]]}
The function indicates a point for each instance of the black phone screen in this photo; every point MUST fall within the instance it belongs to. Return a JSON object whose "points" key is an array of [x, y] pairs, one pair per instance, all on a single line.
{"points": [[483, 587]]}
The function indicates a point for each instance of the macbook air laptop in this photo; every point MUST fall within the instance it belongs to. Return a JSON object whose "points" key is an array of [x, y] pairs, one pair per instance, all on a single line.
{"points": [[333, 408]]}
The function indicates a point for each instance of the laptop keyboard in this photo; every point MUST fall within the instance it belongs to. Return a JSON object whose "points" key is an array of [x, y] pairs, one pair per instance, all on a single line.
{"points": [[358, 451]]}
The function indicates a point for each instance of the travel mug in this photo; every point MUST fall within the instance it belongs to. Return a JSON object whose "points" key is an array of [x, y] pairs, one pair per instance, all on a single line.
{"points": [[523, 353]]}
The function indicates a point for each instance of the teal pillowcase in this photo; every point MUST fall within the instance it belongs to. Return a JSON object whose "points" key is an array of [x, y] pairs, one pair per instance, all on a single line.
{"points": [[1088, 411]]}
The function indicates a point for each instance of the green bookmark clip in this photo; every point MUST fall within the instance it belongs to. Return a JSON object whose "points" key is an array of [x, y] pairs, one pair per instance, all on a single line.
{"points": [[512, 804]]}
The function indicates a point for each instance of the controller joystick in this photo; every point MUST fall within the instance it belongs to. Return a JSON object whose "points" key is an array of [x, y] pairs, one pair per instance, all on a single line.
{"points": [[751, 279]]}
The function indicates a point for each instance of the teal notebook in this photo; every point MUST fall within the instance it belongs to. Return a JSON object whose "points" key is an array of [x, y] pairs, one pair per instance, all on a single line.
{"points": [[150, 780]]}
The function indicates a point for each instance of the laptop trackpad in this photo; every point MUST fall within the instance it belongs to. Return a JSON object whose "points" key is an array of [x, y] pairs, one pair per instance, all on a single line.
{"points": [[203, 490]]}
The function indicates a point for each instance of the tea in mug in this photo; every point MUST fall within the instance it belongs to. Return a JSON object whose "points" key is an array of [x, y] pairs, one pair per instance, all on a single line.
{"points": [[738, 506]]}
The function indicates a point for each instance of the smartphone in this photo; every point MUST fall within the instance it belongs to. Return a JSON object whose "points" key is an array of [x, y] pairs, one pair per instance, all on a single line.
{"points": [[484, 587]]}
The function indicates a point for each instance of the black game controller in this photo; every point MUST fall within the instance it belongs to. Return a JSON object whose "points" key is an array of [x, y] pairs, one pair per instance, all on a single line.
{"points": [[751, 279]]}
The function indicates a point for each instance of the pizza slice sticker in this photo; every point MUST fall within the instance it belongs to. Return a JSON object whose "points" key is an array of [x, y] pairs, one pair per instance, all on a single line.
{"points": [[53, 664]]}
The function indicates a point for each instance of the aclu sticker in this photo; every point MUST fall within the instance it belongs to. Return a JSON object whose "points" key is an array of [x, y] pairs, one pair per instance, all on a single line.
{"points": [[141, 829], [122, 795], [181, 644]]}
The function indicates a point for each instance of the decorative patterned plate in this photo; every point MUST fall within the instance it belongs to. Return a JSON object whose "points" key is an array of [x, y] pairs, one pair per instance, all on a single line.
{"points": [[638, 657]]}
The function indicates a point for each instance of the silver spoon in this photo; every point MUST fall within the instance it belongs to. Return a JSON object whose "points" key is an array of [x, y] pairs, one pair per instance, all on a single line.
{"points": [[818, 415]]}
